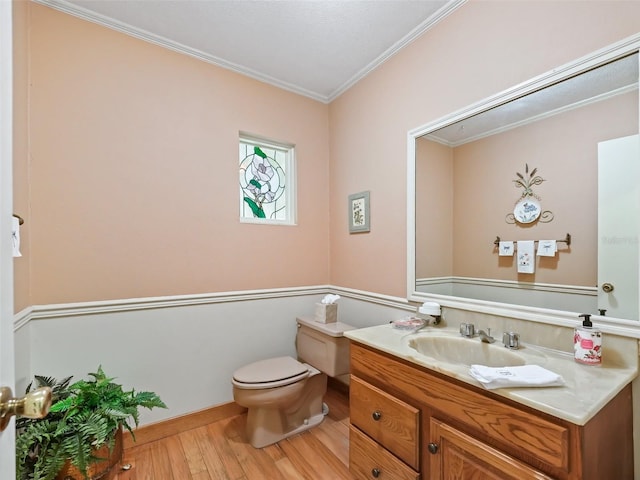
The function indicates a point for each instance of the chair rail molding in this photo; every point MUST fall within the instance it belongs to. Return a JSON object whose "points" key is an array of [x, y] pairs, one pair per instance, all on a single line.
{"points": [[52, 311]]}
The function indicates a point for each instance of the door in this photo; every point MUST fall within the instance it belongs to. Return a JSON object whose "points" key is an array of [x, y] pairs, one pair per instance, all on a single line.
{"points": [[454, 455], [7, 437], [618, 220]]}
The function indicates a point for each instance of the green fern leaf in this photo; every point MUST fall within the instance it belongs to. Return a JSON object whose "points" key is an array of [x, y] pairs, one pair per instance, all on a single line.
{"points": [[149, 400], [62, 405]]}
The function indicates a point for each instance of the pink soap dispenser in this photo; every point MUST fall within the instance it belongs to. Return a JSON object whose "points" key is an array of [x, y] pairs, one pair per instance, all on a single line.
{"points": [[587, 342]]}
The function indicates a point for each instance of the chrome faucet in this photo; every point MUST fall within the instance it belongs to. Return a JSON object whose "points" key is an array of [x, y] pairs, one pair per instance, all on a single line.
{"points": [[511, 340], [467, 330], [486, 336]]}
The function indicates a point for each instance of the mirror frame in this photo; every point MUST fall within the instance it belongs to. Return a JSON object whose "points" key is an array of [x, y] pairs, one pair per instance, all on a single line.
{"points": [[629, 328]]}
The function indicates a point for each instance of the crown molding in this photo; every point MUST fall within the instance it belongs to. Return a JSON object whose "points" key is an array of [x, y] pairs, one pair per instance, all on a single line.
{"points": [[141, 34], [85, 14], [551, 113], [429, 23]]}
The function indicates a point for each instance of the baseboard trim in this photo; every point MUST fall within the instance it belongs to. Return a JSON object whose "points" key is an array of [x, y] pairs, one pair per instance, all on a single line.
{"points": [[337, 385], [173, 426]]}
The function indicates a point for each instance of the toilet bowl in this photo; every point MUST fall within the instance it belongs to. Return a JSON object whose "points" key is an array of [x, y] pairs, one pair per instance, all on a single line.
{"points": [[283, 396], [285, 400]]}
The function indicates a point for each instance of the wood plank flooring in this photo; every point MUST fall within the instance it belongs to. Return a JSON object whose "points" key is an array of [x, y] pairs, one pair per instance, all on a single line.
{"points": [[220, 451]]}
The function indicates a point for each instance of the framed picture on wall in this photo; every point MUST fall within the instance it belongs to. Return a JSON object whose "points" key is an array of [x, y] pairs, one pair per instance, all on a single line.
{"points": [[359, 212]]}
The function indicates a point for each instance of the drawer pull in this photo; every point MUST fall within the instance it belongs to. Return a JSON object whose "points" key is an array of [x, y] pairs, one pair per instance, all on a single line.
{"points": [[375, 472], [376, 415], [433, 448]]}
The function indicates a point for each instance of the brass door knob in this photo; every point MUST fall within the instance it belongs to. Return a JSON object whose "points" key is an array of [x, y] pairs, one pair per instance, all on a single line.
{"points": [[34, 404], [607, 287]]}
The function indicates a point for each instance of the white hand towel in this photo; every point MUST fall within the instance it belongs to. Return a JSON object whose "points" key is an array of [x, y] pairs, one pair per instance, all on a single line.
{"points": [[526, 258], [505, 249], [547, 248], [15, 236], [521, 376]]}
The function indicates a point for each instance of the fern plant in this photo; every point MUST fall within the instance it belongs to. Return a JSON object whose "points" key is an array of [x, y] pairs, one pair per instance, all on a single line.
{"points": [[84, 416]]}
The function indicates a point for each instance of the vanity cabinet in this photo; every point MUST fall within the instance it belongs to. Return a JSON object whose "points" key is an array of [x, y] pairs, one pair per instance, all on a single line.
{"points": [[408, 421]]}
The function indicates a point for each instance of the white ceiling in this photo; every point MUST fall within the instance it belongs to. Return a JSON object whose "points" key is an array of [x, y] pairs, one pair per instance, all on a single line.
{"points": [[317, 48]]}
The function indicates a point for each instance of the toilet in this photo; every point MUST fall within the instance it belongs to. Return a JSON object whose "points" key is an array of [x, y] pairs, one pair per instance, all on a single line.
{"points": [[283, 396]]}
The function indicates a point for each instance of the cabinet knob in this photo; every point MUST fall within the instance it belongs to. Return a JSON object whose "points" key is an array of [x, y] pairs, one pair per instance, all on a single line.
{"points": [[433, 448], [376, 415], [375, 473]]}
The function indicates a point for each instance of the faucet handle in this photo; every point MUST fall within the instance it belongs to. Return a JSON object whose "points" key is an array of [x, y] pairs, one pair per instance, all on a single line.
{"points": [[467, 329], [511, 340]]}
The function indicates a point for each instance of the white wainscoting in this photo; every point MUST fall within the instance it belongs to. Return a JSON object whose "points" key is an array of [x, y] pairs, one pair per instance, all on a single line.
{"points": [[184, 348]]}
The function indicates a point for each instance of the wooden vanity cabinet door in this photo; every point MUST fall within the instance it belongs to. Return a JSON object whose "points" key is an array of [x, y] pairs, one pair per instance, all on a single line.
{"points": [[454, 455], [389, 421], [369, 460]]}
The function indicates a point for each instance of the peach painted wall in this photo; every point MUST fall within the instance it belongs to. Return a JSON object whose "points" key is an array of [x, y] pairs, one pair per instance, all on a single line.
{"points": [[434, 209], [564, 150], [133, 172], [125, 200], [21, 271], [480, 49]]}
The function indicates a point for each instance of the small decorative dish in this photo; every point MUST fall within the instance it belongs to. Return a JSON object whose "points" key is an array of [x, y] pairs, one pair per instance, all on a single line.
{"points": [[409, 323], [527, 210]]}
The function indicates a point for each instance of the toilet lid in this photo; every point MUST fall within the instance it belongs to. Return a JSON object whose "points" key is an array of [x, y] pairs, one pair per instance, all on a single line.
{"points": [[270, 370]]}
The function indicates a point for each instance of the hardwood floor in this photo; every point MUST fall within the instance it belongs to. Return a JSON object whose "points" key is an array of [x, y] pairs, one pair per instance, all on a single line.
{"points": [[220, 451]]}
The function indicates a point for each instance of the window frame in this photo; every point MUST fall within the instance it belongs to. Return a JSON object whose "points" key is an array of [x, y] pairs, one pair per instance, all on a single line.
{"points": [[290, 190]]}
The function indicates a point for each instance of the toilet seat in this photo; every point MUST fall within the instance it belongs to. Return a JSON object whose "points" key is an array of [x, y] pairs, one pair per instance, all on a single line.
{"points": [[270, 373]]}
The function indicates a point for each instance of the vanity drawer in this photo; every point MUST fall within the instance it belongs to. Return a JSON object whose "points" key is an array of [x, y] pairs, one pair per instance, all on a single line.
{"points": [[368, 460], [389, 421]]}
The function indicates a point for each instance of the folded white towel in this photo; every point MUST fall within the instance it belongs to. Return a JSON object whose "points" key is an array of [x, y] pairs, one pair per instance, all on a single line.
{"points": [[547, 248], [505, 248], [521, 376], [526, 258]]}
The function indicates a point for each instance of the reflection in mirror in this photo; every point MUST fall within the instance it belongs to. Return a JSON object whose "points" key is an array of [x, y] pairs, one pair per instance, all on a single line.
{"points": [[465, 191]]}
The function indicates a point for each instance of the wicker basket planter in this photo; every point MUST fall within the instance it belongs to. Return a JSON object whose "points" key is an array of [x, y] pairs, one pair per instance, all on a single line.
{"points": [[102, 470]]}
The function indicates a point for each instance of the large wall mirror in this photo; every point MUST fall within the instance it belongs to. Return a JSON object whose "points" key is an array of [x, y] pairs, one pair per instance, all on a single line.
{"points": [[572, 136]]}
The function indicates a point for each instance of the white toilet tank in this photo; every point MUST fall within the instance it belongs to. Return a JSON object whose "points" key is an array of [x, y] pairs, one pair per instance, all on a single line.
{"points": [[323, 345]]}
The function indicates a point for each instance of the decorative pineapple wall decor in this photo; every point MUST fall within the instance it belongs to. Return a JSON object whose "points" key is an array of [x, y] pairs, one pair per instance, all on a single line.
{"points": [[528, 208]]}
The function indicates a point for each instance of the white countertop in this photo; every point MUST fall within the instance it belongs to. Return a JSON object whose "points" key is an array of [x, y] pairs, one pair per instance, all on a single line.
{"points": [[587, 388]]}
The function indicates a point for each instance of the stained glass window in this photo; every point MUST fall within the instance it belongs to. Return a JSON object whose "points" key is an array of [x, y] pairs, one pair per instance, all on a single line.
{"points": [[267, 182]]}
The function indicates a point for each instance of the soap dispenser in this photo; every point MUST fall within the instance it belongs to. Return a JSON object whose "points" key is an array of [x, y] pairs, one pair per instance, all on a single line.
{"points": [[587, 342]]}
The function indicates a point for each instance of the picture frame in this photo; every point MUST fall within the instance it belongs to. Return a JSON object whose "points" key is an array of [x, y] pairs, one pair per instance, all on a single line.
{"points": [[359, 212]]}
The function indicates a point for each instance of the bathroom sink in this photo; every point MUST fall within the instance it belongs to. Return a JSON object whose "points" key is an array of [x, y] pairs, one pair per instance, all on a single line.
{"points": [[466, 351]]}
